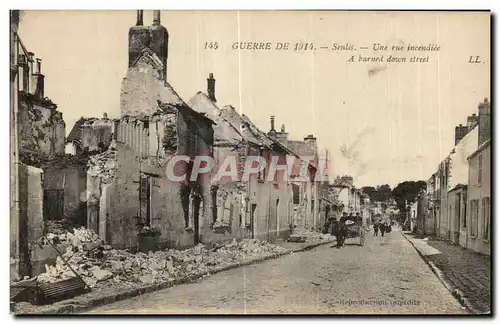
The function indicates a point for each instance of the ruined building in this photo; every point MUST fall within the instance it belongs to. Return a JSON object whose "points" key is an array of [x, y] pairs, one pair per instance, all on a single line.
{"points": [[255, 208], [306, 198], [41, 127], [130, 196], [37, 142], [91, 135]]}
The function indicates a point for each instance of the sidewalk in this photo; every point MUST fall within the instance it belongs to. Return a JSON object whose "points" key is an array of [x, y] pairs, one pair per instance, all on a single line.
{"points": [[108, 295], [465, 273]]}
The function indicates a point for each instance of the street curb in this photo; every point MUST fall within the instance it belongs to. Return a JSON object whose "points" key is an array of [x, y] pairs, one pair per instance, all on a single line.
{"points": [[457, 293], [77, 306]]}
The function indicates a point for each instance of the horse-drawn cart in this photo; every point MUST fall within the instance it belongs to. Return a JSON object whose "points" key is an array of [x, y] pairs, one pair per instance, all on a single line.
{"points": [[354, 228]]}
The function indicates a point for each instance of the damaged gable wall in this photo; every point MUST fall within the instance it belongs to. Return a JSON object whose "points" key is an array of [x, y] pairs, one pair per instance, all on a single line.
{"points": [[143, 87]]}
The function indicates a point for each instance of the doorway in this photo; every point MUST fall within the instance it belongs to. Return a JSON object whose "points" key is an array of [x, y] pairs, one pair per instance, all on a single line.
{"points": [[53, 204], [196, 219], [252, 220]]}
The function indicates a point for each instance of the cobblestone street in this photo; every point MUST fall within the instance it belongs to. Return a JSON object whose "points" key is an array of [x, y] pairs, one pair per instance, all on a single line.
{"points": [[465, 270], [385, 276]]}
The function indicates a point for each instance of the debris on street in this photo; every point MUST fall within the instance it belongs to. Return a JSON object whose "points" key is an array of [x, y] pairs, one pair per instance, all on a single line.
{"points": [[301, 235], [103, 266]]}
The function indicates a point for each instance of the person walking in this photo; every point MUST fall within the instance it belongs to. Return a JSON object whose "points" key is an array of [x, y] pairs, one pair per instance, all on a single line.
{"points": [[382, 229], [376, 226], [341, 231]]}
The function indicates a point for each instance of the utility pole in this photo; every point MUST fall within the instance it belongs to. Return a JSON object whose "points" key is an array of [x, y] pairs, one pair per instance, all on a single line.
{"points": [[14, 138]]}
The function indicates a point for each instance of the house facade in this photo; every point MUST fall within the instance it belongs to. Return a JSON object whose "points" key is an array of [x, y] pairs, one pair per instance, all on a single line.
{"points": [[457, 203], [37, 141], [479, 200], [478, 214]]}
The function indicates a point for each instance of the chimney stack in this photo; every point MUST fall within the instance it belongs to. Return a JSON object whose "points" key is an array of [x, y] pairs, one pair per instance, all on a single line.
{"points": [[472, 121], [38, 66], [23, 72], [211, 87], [484, 121], [310, 140], [282, 136], [272, 124], [105, 115], [156, 17], [40, 87], [140, 15], [30, 62], [460, 132]]}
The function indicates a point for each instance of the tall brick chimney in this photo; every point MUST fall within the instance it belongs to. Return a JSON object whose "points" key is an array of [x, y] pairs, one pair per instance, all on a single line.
{"points": [[460, 132], [23, 72], [40, 87], [159, 41], [484, 121], [30, 71], [139, 37], [140, 16], [272, 131], [211, 87]]}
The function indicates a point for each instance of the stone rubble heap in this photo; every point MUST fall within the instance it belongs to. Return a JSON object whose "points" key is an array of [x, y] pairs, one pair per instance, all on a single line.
{"points": [[104, 164], [103, 266], [311, 236], [80, 239]]}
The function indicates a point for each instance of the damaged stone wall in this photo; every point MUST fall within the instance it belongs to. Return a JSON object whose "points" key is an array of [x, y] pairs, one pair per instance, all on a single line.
{"points": [[142, 87], [121, 206], [41, 127], [259, 198], [30, 222], [155, 136], [226, 213]]}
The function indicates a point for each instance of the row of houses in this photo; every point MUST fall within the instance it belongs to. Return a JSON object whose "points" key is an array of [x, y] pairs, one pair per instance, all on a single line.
{"points": [[113, 176], [456, 206]]}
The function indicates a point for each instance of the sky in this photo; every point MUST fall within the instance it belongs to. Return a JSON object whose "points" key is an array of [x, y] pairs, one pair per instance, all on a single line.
{"points": [[382, 123]]}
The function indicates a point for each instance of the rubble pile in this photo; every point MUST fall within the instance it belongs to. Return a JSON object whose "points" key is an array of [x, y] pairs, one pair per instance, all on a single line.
{"points": [[80, 239], [55, 227], [311, 235], [104, 266], [104, 164]]}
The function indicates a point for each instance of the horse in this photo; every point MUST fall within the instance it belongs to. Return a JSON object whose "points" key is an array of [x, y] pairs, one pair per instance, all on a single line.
{"points": [[339, 230]]}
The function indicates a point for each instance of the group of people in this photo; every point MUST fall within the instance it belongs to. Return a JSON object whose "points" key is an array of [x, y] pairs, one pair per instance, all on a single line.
{"points": [[338, 227], [382, 226]]}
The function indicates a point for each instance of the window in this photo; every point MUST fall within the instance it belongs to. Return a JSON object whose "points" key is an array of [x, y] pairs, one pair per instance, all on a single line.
{"points": [[243, 210], [486, 218], [228, 211], [474, 210], [480, 169], [145, 199]]}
